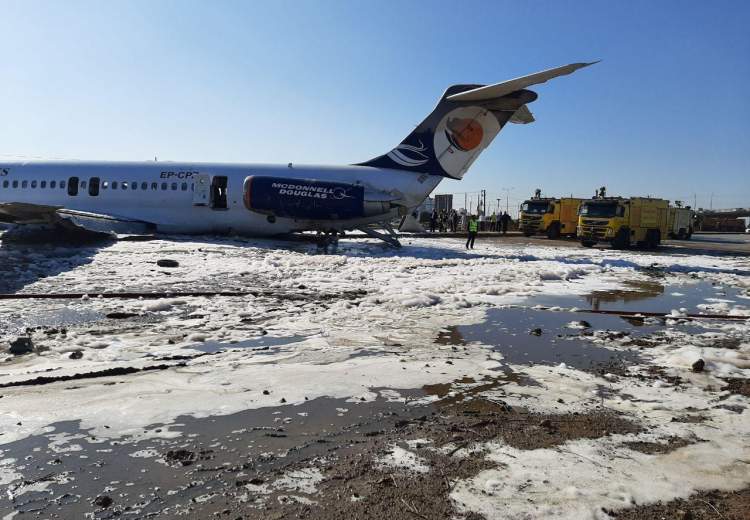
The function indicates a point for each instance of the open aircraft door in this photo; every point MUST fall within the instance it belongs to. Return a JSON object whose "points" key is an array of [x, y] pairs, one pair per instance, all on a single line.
{"points": [[202, 190]]}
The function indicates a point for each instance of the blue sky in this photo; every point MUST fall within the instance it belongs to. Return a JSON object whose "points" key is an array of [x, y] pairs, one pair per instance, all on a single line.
{"points": [[666, 113]]}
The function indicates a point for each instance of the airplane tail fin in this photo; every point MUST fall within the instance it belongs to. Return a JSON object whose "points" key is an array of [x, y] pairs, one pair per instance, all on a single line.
{"points": [[465, 121]]}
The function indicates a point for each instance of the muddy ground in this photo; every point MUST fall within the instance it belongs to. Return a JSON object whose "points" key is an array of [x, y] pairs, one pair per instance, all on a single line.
{"points": [[257, 464], [400, 455]]}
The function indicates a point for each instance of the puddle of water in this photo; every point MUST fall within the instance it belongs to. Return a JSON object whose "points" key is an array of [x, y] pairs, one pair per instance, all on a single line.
{"points": [[509, 331], [58, 317], [645, 297], [261, 342], [214, 452]]}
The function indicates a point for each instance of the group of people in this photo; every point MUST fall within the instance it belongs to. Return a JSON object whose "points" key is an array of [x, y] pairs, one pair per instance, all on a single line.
{"points": [[496, 224], [499, 222], [453, 221], [444, 220]]}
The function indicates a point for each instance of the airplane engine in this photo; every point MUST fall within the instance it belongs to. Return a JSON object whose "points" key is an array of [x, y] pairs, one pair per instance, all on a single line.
{"points": [[307, 199]]}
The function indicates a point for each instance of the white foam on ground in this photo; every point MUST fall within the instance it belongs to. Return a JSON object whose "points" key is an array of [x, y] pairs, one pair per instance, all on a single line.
{"points": [[384, 341], [399, 458], [579, 478]]}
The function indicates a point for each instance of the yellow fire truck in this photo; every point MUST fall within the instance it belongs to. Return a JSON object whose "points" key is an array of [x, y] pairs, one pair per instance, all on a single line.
{"points": [[551, 216], [623, 222]]}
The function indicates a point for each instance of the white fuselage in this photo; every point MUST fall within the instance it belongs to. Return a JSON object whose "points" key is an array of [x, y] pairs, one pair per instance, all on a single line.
{"points": [[164, 193]]}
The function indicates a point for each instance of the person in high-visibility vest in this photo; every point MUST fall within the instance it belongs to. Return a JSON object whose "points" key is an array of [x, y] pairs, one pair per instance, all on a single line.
{"points": [[473, 228]]}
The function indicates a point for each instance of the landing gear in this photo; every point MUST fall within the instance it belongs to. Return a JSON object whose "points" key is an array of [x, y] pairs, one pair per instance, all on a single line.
{"points": [[328, 240], [391, 238]]}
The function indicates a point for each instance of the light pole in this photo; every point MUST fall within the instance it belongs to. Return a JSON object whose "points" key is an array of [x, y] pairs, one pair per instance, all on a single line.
{"points": [[507, 198]]}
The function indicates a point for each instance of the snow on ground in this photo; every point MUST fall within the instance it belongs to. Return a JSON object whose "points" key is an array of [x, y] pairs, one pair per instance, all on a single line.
{"points": [[349, 346]]}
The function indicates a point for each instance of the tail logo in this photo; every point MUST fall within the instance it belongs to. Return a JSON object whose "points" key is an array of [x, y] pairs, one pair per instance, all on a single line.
{"points": [[464, 134], [461, 135], [409, 155]]}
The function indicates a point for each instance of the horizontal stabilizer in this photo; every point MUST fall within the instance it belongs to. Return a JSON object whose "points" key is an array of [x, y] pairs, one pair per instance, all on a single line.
{"points": [[506, 87]]}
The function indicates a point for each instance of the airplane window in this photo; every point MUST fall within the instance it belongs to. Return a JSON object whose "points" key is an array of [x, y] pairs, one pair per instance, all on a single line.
{"points": [[184, 186], [24, 184], [114, 185], [144, 185], [124, 185], [5, 184], [133, 185], [43, 184], [174, 186], [62, 185], [154, 185], [33, 184], [105, 185], [73, 186], [15, 184], [53, 184], [164, 185], [94, 186]]}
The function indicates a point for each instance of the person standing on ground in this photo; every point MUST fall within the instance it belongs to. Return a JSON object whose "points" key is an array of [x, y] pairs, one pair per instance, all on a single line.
{"points": [[504, 221], [473, 228], [493, 222], [433, 220]]}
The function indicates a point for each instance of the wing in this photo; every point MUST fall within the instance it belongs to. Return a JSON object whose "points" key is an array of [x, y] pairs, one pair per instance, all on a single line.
{"points": [[24, 213]]}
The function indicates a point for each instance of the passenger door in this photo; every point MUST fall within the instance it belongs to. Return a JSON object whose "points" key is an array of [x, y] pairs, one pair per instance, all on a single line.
{"points": [[219, 196], [202, 190]]}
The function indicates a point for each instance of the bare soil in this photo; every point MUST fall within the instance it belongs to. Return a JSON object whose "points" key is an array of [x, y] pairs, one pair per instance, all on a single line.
{"points": [[651, 448], [709, 505], [738, 386]]}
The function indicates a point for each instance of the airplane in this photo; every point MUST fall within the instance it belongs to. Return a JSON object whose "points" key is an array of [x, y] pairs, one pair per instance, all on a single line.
{"points": [[266, 200]]}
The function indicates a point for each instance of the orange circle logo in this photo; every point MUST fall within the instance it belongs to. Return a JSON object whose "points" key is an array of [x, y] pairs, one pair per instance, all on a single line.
{"points": [[463, 133]]}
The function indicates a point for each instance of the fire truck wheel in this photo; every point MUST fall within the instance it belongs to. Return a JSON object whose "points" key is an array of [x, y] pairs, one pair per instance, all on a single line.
{"points": [[553, 231], [622, 239]]}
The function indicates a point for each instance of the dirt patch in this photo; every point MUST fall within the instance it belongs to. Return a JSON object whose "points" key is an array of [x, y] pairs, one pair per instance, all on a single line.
{"points": [[690, 418], [708, 505], [670, 444], [357, 488], [358, 485], [654, 372], [480, 420], [471, 417], [737, 386]]}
